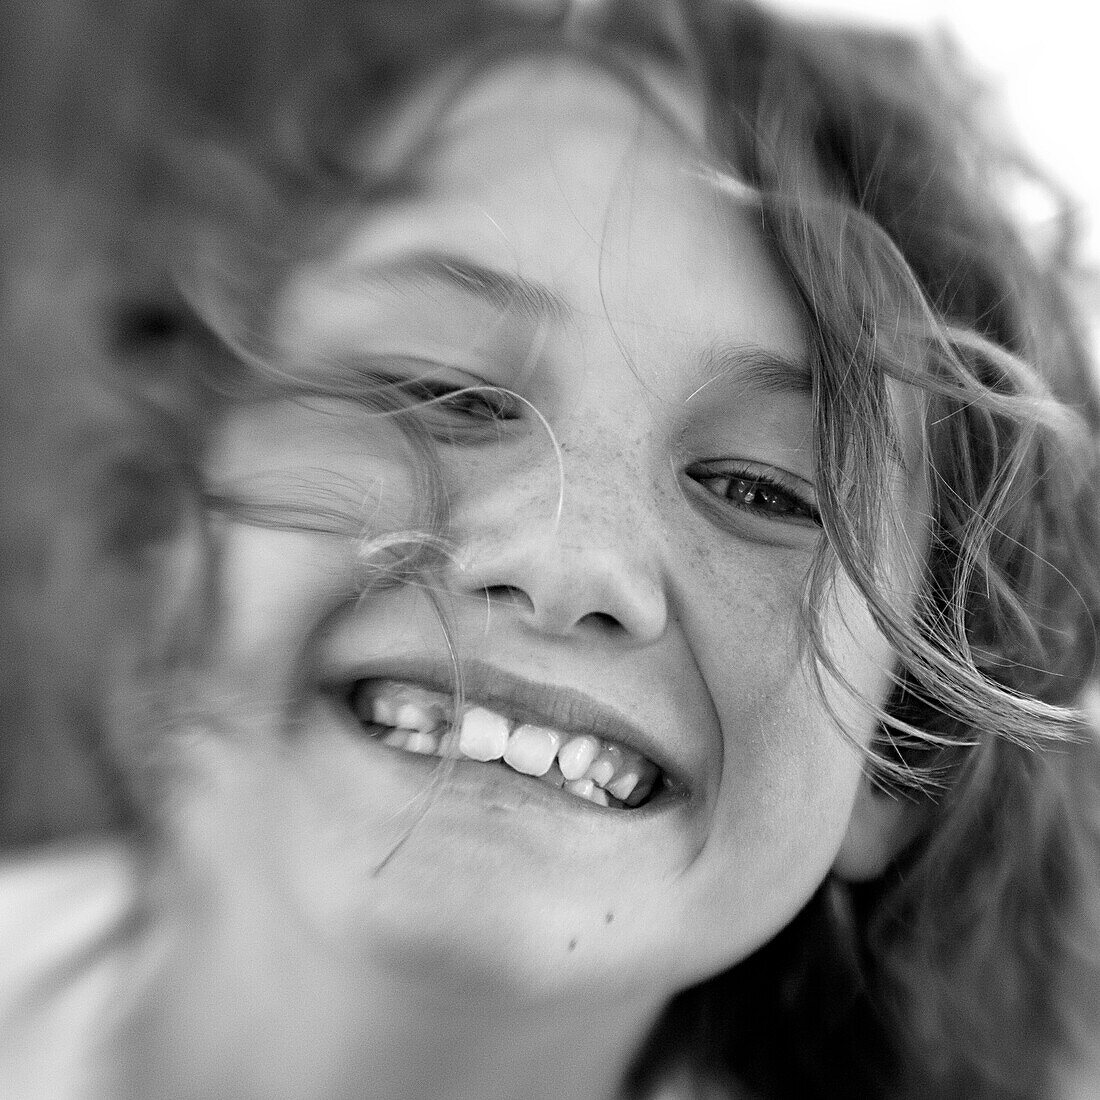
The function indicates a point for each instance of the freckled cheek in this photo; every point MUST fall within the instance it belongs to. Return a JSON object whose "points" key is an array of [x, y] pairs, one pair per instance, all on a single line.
{"points": [[790, 756], [785, 793], [788, 782], [778, 739], [787, 776]]}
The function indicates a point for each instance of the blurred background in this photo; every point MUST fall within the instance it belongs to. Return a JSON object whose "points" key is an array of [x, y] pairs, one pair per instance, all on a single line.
{"points": [[1041, 59]]}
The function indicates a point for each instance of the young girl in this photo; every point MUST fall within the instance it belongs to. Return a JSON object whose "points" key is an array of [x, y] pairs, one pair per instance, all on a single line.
{"points": [[655, 581]]}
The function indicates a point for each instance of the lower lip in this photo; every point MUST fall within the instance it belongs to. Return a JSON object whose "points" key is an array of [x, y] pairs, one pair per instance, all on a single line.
{"points": [[493, 786]]}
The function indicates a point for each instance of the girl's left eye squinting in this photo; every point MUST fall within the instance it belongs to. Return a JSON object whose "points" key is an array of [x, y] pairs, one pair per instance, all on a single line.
{"points": [[769, 493], [482, 402], [452, 411]]}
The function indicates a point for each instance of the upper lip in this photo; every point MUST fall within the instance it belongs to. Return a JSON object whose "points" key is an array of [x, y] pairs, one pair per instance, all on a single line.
{"points": [[562, 708]]}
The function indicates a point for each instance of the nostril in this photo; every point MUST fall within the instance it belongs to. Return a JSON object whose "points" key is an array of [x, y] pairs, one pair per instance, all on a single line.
{"points": [[557, 590], [602, 621], [508, 593]]}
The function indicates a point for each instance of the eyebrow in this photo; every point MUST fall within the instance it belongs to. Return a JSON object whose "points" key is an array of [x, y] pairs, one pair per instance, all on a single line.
{"points": [[757, 368], [505, 291]]}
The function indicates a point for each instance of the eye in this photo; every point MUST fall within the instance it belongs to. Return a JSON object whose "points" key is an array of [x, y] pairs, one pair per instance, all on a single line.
{"points": [[480, 402], [762, 491], [453, 412]]}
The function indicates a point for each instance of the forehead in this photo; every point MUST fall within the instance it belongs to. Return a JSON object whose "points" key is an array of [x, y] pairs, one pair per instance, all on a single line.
{"points": [[533, 88], [585, 180], [533, 92]]}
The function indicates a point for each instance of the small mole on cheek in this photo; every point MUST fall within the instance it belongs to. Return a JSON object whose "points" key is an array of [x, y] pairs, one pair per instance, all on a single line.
{"points": [[573, 945]]}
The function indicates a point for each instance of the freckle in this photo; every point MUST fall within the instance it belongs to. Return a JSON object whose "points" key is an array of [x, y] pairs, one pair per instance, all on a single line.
{"points": [[572, 945], [609, 918]]}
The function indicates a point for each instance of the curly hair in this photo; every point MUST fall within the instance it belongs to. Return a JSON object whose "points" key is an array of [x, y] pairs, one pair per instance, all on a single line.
{"points": [[882, 193], [970, 967]]}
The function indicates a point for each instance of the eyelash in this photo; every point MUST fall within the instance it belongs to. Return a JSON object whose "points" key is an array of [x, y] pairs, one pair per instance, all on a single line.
{"points": [[771, 495], [477, 402], [454, 413]]}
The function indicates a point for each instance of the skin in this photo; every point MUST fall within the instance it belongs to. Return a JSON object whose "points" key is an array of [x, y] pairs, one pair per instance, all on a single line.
{"points": [[485, 935]]}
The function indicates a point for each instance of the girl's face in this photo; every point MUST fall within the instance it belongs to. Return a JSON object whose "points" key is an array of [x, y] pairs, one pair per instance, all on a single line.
{"points": [[631, 530]]}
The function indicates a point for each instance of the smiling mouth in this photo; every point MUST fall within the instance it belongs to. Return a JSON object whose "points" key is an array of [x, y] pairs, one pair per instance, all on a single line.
{"points": [[415, 719]]}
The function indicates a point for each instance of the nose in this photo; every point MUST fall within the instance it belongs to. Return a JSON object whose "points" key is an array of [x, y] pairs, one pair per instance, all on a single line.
{"points": [[576, 562]]}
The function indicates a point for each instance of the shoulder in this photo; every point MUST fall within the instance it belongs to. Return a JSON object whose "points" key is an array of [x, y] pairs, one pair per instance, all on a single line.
{"points": [[65, 912]]}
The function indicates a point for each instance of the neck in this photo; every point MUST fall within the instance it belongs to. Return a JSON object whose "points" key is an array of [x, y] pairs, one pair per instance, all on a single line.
{"points": [[484, 1052]]}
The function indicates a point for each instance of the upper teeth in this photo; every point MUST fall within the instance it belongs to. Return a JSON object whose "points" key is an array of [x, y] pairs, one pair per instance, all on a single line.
{"points": [[421, 721]]}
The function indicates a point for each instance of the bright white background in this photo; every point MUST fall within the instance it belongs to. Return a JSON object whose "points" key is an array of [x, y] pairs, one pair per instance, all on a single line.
{"points": [[1043, 57]]}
